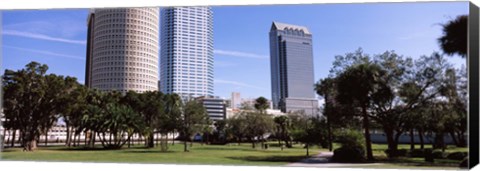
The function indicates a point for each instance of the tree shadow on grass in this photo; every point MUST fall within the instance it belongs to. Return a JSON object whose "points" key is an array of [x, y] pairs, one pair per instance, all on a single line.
{"points": [[149, 151], [270, 158], [226, 148]]}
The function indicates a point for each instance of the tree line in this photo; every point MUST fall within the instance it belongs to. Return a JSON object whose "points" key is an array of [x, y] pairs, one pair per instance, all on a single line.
{"points": [[398, 95], [34, 101]]}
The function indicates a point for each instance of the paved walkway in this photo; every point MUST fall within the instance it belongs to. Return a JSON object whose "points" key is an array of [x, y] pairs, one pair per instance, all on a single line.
{"points": [[323, 160]]}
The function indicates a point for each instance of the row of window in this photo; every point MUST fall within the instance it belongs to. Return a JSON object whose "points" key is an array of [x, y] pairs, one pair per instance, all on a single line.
{"points": [[123, 69]]}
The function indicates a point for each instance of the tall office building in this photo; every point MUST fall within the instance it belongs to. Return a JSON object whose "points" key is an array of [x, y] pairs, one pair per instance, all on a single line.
{"points": [[236, 101], [186, 51], [291, 62], [122, 49]]}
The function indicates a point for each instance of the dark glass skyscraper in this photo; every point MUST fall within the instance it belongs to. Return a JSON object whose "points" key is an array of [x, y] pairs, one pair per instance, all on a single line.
{"points": [[291, 62]]}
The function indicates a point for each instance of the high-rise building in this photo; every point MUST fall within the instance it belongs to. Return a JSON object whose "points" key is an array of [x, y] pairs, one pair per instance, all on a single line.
{"points": [[122, 49], [187, 51], [236, 100], [215, 107], [291, 62]]}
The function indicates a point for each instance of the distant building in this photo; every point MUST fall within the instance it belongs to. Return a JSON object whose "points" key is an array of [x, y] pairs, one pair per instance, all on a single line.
{"points": [[291, 62], [216, 107], [122, 49], [228, 102], [186, 58], [236, 100]]}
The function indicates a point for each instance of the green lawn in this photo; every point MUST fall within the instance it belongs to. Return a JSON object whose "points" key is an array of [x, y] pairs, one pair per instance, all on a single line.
{"points": [[199, 154], [214, 155]]}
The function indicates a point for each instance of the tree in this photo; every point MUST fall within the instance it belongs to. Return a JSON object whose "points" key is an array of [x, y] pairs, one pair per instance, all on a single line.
{"points": [[113, 122], [169, 120], [236, 127], [73, 105], [255, 125], [282, 124], [194, 118], [31, 101], [261, 104], [359, 85], [455, 35]]}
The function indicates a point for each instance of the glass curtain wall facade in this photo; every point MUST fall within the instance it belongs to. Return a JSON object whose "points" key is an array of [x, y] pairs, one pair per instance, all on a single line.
{"points": [[186, 51], [291, 62]]}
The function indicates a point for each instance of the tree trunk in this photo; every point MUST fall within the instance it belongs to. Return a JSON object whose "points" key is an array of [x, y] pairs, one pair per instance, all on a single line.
{"points": [[8, 139], [4, 135], [32, 145], [420, 135], [74, 139], [330, 143], [366, 126], [67, 142], [46, 137], [173, 138], [461, 139], [308, 154], [262, 142], [185, 148], [13, 137], [454, 138], [150, 141], [392, 148], [412, 140]]}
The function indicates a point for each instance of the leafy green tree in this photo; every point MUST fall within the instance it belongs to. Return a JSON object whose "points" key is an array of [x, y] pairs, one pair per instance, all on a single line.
{"points": [[261, 104], [282, 124], [170, 121], [455, 35], [359, 85], [236, 127], [113, 122], [193, 120], [31, 101]]}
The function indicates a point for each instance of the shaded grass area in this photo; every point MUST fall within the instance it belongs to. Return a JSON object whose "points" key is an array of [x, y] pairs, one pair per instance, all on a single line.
{"points": [[199, 154]]}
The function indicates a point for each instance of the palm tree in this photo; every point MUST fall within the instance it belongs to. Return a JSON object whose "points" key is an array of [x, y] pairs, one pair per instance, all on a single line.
{"points": [[282, 123], [261, 104], [454, 38], [357, 86]]}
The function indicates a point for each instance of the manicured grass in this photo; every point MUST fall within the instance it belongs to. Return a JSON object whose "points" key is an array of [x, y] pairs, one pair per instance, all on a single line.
{"points": [[232, 154], [199, 154]]}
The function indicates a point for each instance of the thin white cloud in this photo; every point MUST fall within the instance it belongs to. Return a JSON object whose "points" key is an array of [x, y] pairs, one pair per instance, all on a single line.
{"points": [[236, 83], [239, 54], [224, 64], [45, 52], [41, 37]]}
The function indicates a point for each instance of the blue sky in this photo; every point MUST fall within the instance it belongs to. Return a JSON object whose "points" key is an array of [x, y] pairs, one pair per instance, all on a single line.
{"points": [[57, 37]]}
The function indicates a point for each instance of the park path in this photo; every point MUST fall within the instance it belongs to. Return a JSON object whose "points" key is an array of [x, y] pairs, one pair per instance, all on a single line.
{"points": [[323, 160]]}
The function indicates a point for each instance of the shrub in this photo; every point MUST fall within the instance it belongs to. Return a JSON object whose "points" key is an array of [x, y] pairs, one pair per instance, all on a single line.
{"points": [[464, 163], [352, 147], [439, 154], [417, 153], [350, 138], [428, 155], [457, 155], [397, 153], [349, 155]]}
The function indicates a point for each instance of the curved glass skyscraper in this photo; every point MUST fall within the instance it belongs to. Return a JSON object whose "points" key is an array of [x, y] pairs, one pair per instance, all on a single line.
{"points": [[186, 51]]}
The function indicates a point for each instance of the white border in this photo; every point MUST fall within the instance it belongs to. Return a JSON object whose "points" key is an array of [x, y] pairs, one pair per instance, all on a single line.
{"points": [[77, 4], [67, 4]]}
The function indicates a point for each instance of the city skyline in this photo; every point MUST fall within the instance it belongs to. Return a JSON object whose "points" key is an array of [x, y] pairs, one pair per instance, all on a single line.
{"points": [[58, 37]]}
